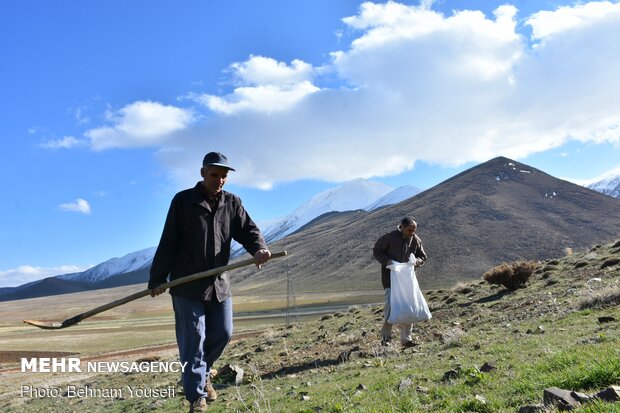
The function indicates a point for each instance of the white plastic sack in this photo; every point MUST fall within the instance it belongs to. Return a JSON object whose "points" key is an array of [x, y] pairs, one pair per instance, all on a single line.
{"points": [[407, 304]]}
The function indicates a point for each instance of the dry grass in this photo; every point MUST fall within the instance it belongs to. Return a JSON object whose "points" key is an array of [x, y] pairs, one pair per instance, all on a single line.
{"points": [[608, 297], [512, 276]]}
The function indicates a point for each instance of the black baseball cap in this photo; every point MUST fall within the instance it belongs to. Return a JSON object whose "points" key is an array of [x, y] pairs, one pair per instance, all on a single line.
{"points": [[216, 159]]}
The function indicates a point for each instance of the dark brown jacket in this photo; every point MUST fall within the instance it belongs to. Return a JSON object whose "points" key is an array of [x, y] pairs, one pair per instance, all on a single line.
{"points": [[197, 238], [392, 246]]}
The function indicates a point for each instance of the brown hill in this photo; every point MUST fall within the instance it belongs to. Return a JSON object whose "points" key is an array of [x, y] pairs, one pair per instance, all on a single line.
{"points": [[498, 211]]}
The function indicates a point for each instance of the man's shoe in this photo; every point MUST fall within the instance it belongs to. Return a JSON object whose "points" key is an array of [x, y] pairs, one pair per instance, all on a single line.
{"points": [[410, 344], [385, 341], [199, 405], [211, 394]]}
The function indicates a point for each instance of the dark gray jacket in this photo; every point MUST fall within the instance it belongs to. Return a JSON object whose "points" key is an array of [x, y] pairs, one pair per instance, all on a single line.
{"points": [[196, 238], [392, 246]]}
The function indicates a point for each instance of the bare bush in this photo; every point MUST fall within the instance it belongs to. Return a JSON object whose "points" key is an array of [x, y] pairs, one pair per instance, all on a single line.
{"points": [[511, 276]]}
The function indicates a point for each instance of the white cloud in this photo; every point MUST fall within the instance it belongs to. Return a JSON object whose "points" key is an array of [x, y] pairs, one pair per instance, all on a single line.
{"points": [[141, 123], [67, 142], [79, 205], [260, 70], [264, 98], [29, 273], [549, 23], [263, 85], [418, 85]]}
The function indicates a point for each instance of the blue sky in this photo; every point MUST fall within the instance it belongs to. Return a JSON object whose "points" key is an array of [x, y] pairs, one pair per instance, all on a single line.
{"points": [[109, 107]]}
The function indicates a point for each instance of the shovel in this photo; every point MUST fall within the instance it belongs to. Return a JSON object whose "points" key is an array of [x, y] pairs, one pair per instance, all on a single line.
{"points": [[184, 280]]}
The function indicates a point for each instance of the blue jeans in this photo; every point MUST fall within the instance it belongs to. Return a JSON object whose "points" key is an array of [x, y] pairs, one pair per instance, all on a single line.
{"points": [[203, 331]]}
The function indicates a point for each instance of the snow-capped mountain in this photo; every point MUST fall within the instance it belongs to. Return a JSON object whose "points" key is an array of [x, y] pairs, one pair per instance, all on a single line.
{"points": [[352, 195], [130, 262], [394, 197], [608, 183]]}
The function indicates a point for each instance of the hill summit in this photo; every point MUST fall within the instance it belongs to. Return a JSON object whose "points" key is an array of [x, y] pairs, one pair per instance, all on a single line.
{"points": [[498, 211]]}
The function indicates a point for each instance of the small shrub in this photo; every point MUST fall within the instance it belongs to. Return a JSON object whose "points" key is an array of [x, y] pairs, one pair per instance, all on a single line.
{"points": [[462, 288], [453, 337], [473, 376], [511, 276], [580, 264], [616, 244]]}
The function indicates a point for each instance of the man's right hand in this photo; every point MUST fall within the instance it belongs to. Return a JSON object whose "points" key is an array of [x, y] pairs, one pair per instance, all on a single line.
{"points": [[261, 257], [156, 291]]}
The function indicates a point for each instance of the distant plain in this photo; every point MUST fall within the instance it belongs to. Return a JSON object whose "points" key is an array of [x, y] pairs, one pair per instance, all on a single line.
{"points": [[144, 322]]}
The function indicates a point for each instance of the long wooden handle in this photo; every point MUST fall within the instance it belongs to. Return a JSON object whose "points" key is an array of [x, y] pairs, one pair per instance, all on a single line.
{"points": [[174, 283]]}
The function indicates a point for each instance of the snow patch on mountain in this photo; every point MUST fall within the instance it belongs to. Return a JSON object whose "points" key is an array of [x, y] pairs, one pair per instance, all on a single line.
{"points": [[352, 195], [608, 183], [130, 262]]}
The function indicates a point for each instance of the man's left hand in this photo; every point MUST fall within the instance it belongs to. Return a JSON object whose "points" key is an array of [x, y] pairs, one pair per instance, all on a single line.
{"points": [[261, 257]]}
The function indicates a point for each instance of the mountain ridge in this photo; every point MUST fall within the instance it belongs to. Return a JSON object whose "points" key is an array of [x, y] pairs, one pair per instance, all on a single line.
{"points": [[479, 206], [348, 196], [498, 211]]}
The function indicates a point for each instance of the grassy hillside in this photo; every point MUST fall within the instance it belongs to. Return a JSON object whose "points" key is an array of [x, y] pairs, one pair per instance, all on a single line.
{"points": [[549, 333]]}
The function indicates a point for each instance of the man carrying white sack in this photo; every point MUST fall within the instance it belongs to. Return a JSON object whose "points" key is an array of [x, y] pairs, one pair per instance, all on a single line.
{"points": [[396, 247]]}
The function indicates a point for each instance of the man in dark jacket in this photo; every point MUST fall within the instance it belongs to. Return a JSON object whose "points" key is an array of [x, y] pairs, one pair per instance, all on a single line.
{"points": [[397, 246], [200, 226]]}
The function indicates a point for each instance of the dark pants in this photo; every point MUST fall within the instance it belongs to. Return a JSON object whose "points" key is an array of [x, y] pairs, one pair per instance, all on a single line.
{"points": [[202, 330]]}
